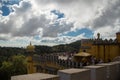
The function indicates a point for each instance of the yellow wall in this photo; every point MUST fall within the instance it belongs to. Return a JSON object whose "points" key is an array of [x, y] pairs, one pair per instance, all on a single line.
{"points": [[105, 52], [86, 44], [114, 51], [118, 37], [30, 66]]}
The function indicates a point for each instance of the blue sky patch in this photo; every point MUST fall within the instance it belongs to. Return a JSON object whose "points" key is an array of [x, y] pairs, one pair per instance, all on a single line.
{"points": [[10, 2], [88, 33], [37, 37], [5, 9], [58, 13]]}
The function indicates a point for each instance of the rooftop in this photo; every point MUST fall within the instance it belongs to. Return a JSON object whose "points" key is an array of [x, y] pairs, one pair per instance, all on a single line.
{"points": [[93, 66], [73, 70], [35, 76]]}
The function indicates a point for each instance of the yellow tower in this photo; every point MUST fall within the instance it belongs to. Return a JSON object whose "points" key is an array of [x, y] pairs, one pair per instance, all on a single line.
{"points": [[98, 35], [30, 50], [118, 37]]}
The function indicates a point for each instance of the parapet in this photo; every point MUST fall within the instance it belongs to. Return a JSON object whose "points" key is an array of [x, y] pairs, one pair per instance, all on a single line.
{"points": [[103, 71], [36, 76]]}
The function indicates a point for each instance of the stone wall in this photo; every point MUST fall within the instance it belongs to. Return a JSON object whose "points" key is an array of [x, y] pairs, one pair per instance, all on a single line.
{"points": [[103, 71]]}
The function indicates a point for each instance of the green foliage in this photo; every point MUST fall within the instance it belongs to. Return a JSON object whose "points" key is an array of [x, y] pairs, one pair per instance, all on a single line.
{"points": [[72, 47], [19, 65], [43, 49], [13, 63], [5, 70], [7, 52], [16, 66]]}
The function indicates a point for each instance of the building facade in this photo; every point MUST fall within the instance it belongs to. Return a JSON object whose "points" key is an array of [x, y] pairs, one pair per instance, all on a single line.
{"points": [[106, 50], [30, 50]]}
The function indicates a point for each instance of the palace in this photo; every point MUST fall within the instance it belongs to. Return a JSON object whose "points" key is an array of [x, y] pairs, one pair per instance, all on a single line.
{"points": [[47, 63], [106, 50], [30, 50]]}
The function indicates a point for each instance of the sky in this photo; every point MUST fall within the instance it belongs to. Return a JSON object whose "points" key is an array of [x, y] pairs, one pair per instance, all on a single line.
{"points": [[53, 22]]}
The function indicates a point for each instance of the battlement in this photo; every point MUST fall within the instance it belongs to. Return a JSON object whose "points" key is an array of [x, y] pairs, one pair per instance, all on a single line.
{"points": [[118, 37], [105, 42], [105, 49]]}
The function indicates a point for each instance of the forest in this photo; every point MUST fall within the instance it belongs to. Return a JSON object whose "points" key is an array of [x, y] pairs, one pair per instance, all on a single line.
{"points": [[13, 59]]}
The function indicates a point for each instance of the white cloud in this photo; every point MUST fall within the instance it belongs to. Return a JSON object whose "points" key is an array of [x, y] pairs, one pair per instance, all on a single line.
{"points": [[79, 11], [108, 22], [0, 13], [34, 18], [25, 21]]}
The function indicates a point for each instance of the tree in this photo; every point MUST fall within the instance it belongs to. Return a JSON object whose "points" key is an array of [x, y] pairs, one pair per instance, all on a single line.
{"points": [[5, 70], [19, 65], [16, 66]]}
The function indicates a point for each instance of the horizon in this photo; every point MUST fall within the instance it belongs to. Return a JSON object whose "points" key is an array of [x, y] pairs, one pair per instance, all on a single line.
{"points": [[57, 22]]}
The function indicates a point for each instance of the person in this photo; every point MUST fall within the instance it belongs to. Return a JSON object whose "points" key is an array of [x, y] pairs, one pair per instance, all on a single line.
{"points": [[84, 61], [109, 60], [93, 60], [100, 61]]}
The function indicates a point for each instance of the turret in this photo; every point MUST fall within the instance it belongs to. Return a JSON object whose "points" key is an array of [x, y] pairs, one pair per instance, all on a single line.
{"points": [[98, 35], [118, 37], [30, 48], [30, 51]]}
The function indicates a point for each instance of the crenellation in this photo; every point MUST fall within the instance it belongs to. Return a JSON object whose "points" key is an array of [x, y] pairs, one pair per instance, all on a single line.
{"points": [[106, 49]]}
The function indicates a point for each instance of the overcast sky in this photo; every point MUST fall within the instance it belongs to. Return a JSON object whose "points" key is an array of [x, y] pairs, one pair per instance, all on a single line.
{"points": [[51, 22]]}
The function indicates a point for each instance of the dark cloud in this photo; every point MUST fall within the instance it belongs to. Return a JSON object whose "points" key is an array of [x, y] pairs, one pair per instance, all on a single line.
{"points": [[22, 8], [24, 23], [58, 27], [29, 28], [29, 17], [65, 2], [109, 16], [6, 27], [3, 38]]}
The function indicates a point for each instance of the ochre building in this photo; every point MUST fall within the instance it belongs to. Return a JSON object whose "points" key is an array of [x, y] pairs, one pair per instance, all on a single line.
{"points": [[40, 63], [105, 50], [30, 50]]}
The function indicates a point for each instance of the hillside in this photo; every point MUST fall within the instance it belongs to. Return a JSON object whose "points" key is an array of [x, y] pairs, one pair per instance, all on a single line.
{"points": [[10, 51], [72, 47]]}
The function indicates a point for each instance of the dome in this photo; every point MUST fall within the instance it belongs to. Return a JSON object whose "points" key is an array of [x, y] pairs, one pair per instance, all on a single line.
{"points": [[30, 48]]}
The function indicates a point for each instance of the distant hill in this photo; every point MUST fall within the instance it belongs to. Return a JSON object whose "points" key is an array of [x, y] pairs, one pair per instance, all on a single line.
{"points": [[72, 47]]}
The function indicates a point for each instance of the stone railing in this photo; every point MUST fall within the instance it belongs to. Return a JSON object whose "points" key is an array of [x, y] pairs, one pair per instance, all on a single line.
{"points": [[103, 71]]}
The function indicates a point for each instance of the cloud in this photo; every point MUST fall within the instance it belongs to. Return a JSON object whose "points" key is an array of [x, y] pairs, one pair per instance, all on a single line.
{"points": [[62, 39], [33, 18], [59, 26], [107, 20], [0, 12], [109, 14], [78, 11], [24, 21]]}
